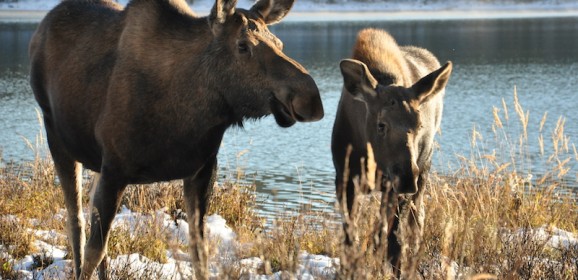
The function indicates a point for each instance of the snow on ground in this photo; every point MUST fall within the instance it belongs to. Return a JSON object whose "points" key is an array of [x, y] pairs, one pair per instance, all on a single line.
{"points": [[552, 236], [177, 266]]}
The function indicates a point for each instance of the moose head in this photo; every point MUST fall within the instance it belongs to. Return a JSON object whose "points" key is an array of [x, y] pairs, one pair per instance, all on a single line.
{"points": [[393, 119], [252, 62]]}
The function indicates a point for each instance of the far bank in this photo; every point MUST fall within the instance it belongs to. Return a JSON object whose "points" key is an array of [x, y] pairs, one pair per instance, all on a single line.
{"points": [[14, 15]]}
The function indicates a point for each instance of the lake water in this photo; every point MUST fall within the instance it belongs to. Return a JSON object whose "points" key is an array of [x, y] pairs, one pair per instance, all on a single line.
{"points": [[537, 57]]}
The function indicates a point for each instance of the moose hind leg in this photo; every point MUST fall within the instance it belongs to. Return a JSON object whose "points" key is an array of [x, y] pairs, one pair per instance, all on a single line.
{"points": [[70, 176], [105, 201], [197, 191]]}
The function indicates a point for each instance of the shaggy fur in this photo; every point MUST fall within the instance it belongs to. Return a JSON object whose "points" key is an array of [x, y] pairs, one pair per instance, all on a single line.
{"points": [[145, 94]]}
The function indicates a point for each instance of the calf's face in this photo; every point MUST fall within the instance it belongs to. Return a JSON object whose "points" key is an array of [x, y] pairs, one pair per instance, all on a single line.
{"points": [[393, 119], [276, 83]]}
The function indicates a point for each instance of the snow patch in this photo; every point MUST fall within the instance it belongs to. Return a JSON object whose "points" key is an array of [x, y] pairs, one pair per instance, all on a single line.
{"points": [[217, 228], [552, 236], [218, 232]]}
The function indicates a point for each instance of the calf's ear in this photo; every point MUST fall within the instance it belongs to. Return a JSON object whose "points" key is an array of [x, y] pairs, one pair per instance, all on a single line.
{"points": [[272, 11], [433, 83], [357, 80], [219, 13]]}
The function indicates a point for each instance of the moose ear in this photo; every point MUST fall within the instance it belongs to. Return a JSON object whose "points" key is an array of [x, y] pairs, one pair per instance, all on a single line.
{"points": [[219, 13], [272, 11], [433, 83], [357, 79]]}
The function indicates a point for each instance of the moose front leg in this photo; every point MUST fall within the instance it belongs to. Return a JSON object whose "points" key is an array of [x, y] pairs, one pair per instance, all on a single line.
{"points": [[105, 201], [413, 219], [345, 198], [390, 221], [197, 191]]}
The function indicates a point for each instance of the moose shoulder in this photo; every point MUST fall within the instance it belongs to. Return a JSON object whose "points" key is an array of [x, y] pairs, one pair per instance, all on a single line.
{"points": [[145, 94], [392, 100]]}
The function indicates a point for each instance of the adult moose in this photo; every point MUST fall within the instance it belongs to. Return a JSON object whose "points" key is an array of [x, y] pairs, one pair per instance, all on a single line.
{"points": [[392, 100], [145, 94]]}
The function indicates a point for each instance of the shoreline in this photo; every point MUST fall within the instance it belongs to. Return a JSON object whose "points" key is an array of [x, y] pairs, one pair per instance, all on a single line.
{"points": [[333, 16], [34, 16]]}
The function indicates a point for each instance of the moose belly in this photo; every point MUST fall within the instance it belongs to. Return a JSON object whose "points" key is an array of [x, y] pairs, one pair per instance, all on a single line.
{"points": [[142, 163]]}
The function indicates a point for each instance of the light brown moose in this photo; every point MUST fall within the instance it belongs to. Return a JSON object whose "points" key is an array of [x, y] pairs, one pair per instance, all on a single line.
{"points": [[392, 99], [145, 94]]}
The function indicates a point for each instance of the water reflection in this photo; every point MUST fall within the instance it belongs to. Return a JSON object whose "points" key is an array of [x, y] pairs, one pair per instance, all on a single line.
{"points": [[292, 166], [547, 40], [14, 40]]}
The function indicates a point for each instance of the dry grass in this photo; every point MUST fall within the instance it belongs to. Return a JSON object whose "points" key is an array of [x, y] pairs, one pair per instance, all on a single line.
{"points": [[28, 199], [482, 221]]}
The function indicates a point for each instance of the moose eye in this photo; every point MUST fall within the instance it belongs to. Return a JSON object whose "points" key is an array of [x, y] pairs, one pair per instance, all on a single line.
{"points": [[381, 128], [392, 102], [243, 47]]}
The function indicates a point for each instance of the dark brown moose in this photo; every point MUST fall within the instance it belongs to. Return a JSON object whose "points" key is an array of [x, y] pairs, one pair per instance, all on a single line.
{"points": [[145, 94], [392, 99]]}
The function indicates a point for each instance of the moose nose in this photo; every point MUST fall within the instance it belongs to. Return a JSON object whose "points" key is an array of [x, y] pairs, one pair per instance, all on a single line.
{"points": [[298, 91], [407, 182], [306, 103]]}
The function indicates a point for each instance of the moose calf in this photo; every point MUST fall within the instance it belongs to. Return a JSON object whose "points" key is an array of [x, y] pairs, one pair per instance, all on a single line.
{"points": [[392, 101]]}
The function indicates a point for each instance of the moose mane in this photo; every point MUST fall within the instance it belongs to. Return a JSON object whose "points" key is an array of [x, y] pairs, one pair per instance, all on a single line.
{"points": [[383, 57]]}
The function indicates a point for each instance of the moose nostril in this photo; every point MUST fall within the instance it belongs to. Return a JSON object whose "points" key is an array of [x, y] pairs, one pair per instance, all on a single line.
{"points": [[298, 105], [307, 109], [301, 98]]}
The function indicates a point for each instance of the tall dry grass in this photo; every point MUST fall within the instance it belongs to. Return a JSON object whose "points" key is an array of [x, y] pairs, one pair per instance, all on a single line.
{"points": [[494, 216], [488, 219]]}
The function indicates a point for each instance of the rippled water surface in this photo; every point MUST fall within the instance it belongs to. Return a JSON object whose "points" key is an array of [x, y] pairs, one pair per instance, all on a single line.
{"points": [[536, 57]]}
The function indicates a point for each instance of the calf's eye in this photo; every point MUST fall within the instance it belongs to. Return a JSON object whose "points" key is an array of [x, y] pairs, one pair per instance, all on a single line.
{"points": [[243, 47]]}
